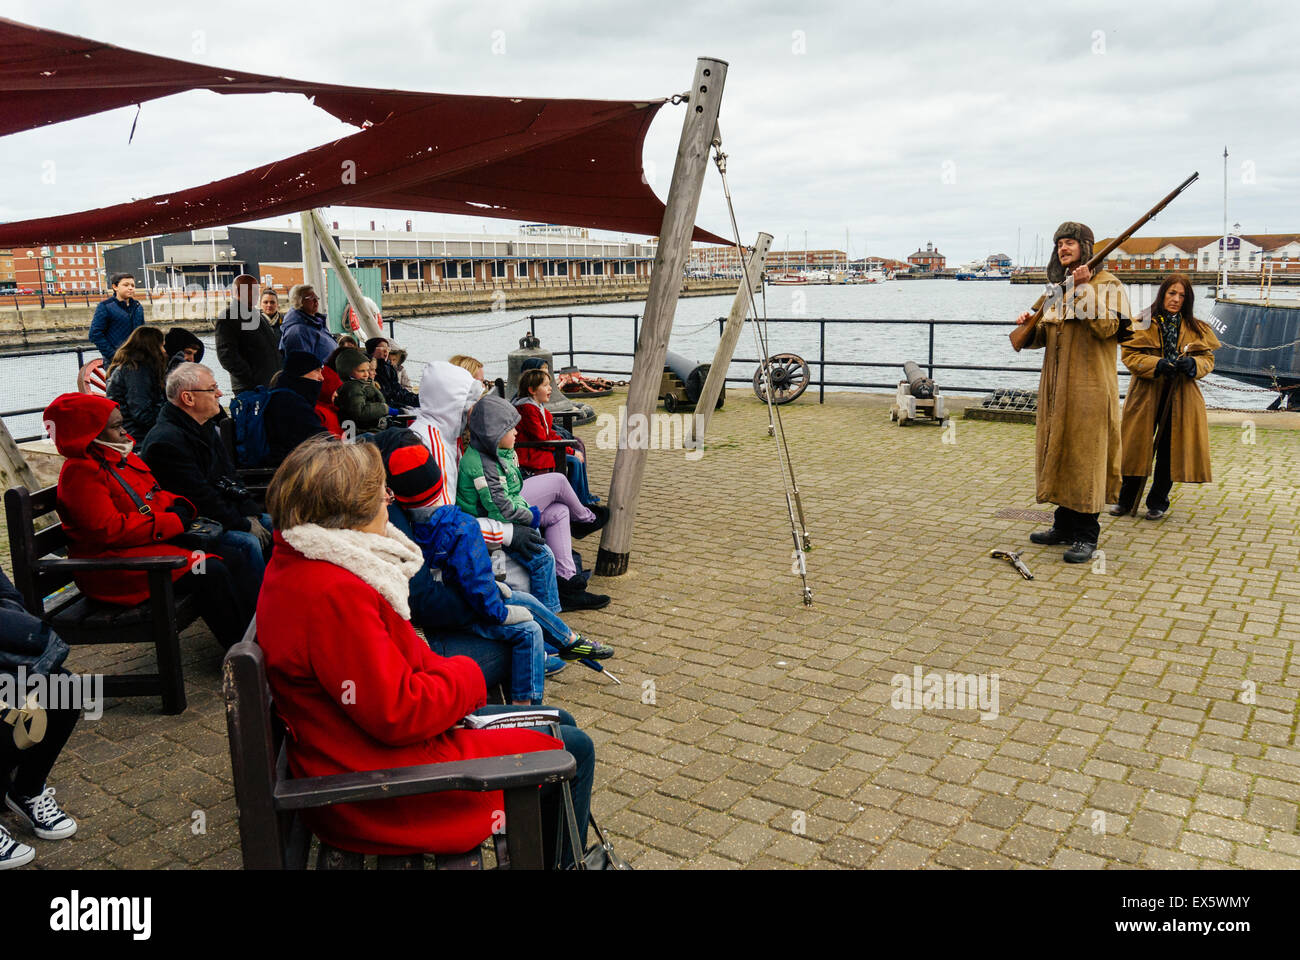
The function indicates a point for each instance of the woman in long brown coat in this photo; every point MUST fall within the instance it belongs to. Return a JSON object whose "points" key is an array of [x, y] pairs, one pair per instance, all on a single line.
{"points": [[1166, 356]]}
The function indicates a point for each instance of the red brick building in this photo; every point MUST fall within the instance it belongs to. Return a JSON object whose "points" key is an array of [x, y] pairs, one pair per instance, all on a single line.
{"points": [[928, 260], [70, 267]]}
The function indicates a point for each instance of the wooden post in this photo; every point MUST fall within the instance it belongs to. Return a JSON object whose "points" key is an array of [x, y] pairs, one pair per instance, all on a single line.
{"points": [[716, 383], [661, 302], [369, 323], [14, 470], [312, 273]]}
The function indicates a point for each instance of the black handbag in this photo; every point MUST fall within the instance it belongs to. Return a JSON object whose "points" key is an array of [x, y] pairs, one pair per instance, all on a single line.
{"points": [[201, 534]]}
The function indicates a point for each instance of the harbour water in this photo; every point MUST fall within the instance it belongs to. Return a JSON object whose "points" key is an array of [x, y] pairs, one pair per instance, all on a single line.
{"points": [[27, 382]]}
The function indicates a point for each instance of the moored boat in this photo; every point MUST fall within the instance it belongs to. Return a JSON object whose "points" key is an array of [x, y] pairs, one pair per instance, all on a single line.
{"points": [[1261, 345]]}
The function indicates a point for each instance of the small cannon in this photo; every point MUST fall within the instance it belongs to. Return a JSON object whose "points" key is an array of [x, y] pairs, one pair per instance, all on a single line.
{"points": [[682, 381], [918, 398]]}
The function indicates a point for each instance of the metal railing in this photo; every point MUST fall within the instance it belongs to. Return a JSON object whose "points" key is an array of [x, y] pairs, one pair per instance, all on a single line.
{"points": [[820, 363]]}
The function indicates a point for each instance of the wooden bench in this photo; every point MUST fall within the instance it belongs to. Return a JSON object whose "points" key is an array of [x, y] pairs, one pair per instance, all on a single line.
{"points": [[44, 579], [272, 835]]}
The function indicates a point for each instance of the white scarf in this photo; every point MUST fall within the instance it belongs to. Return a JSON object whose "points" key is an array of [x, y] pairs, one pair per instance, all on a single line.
{"points": [[386, 562]]}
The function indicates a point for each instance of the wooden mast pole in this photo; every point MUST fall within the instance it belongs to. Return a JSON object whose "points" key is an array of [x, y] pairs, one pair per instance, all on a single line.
{"points": [[715, 383], [368, 322], [312, 273], [661, 302]]}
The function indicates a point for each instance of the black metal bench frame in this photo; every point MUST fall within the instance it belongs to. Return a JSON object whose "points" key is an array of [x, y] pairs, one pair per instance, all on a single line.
{"points": [[272, 835], [39, 573]]}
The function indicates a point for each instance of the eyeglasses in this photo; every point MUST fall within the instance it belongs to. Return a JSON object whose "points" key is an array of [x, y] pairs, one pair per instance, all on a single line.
{"points": [[203, 390], [389, 496]]}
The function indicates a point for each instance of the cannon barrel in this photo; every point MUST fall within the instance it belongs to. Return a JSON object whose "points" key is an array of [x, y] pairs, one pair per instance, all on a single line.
{"points": [[918, 384], [690, 373]]}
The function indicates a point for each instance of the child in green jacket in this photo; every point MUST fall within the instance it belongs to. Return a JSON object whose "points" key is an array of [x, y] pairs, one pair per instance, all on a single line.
{"points": [[490, 484], [359, 401]]}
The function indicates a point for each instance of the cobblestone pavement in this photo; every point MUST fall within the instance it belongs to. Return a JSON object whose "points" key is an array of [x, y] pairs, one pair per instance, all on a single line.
{"points": [[1146, 708]]}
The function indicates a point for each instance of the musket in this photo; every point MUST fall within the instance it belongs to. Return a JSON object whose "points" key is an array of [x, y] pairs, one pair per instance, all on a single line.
{"points": [[1024, 333]]}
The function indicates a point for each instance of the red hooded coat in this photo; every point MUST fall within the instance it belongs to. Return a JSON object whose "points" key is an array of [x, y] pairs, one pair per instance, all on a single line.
{"points": [[330, 383], [98, 515], [359, 690]]}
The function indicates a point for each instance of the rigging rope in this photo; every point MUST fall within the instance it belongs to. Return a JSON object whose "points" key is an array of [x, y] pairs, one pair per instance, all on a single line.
{"points": [[793, 503]]}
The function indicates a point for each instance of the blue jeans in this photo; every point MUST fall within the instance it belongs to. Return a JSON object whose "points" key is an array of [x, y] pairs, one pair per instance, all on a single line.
{"points": [[243, 556], [578, 480], [541, 576], [527, 656], [584, 752], [555, 630], [493, 658]]}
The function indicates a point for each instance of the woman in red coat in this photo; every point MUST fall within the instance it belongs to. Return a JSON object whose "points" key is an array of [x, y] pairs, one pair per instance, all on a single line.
{"points": [[356, 686], [103, 518]]}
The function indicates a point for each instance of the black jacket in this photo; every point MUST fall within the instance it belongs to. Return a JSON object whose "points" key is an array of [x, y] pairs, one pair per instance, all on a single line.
{"points": [[139, 395], [290, 418], [250, 353], [394, 392], [190, 460]]}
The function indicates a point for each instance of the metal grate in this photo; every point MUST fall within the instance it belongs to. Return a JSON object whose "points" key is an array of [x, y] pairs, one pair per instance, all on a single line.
{"points": [[1011, 399], [1016, 513]]}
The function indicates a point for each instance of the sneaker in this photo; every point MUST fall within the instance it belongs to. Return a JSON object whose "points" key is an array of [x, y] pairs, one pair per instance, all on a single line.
{"points": [[12, 853], [1154, 514], [585, 649], [554, 665], [41, 814], [1080, 551], [1049, 537]]}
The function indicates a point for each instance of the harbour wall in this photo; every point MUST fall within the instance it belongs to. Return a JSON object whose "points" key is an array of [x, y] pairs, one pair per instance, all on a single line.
{"points": [[57, 325]]}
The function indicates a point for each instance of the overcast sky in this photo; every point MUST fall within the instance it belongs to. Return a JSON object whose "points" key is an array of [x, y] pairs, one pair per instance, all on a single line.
{"points": [[963, 124]]}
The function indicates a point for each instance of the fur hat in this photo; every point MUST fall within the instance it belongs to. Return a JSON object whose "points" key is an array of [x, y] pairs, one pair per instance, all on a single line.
{"points": [[1073, 231]]}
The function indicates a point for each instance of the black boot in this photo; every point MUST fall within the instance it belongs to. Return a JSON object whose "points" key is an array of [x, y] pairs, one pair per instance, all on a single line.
{"points": [[574, 596], [1080, 551], [581, 528], [1049, 537]]}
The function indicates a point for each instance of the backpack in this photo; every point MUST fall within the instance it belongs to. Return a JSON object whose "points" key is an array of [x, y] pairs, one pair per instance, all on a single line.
{"points": [[248, 410]]}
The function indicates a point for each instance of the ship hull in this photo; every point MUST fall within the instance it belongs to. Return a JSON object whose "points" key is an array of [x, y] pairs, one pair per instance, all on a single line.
{"points": [[1261, 345]]}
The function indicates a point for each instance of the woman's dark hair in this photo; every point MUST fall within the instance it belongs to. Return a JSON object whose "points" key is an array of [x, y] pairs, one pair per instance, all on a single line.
{"points": [[117, 278], [1189, 301], [143, 350]]}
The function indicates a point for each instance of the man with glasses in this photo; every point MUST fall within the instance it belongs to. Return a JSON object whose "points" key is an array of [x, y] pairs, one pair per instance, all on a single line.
{"points": [[186, 455]]}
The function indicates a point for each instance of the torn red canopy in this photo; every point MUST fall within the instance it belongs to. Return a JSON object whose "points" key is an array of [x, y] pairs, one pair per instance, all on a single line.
{"points": [[574, 162]]}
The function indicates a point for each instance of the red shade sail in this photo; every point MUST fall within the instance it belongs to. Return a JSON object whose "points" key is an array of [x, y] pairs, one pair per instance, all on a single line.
{"points": [[574, 162]]}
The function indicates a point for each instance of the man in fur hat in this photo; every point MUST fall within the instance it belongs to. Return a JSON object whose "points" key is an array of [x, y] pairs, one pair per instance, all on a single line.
{"points": [[1078, 432]]}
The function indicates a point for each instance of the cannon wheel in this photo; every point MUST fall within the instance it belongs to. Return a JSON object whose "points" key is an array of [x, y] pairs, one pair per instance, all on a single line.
{"points": [[790, 377], [670, 402]]}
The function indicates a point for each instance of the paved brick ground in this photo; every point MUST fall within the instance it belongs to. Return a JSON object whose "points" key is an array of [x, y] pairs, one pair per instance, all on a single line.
{"points": [[751, 731]]}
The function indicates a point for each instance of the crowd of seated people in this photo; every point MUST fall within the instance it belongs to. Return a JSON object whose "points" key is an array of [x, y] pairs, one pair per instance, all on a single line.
{"points": [[357, 545]]}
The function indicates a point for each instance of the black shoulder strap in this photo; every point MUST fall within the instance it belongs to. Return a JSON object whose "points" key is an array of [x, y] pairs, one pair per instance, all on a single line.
{"points": [[140, 505]]}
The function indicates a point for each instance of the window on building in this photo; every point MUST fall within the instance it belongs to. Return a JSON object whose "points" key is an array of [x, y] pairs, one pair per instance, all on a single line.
{"points": [[521, 270], [592, 268], [498, 268], [555, 268]]}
